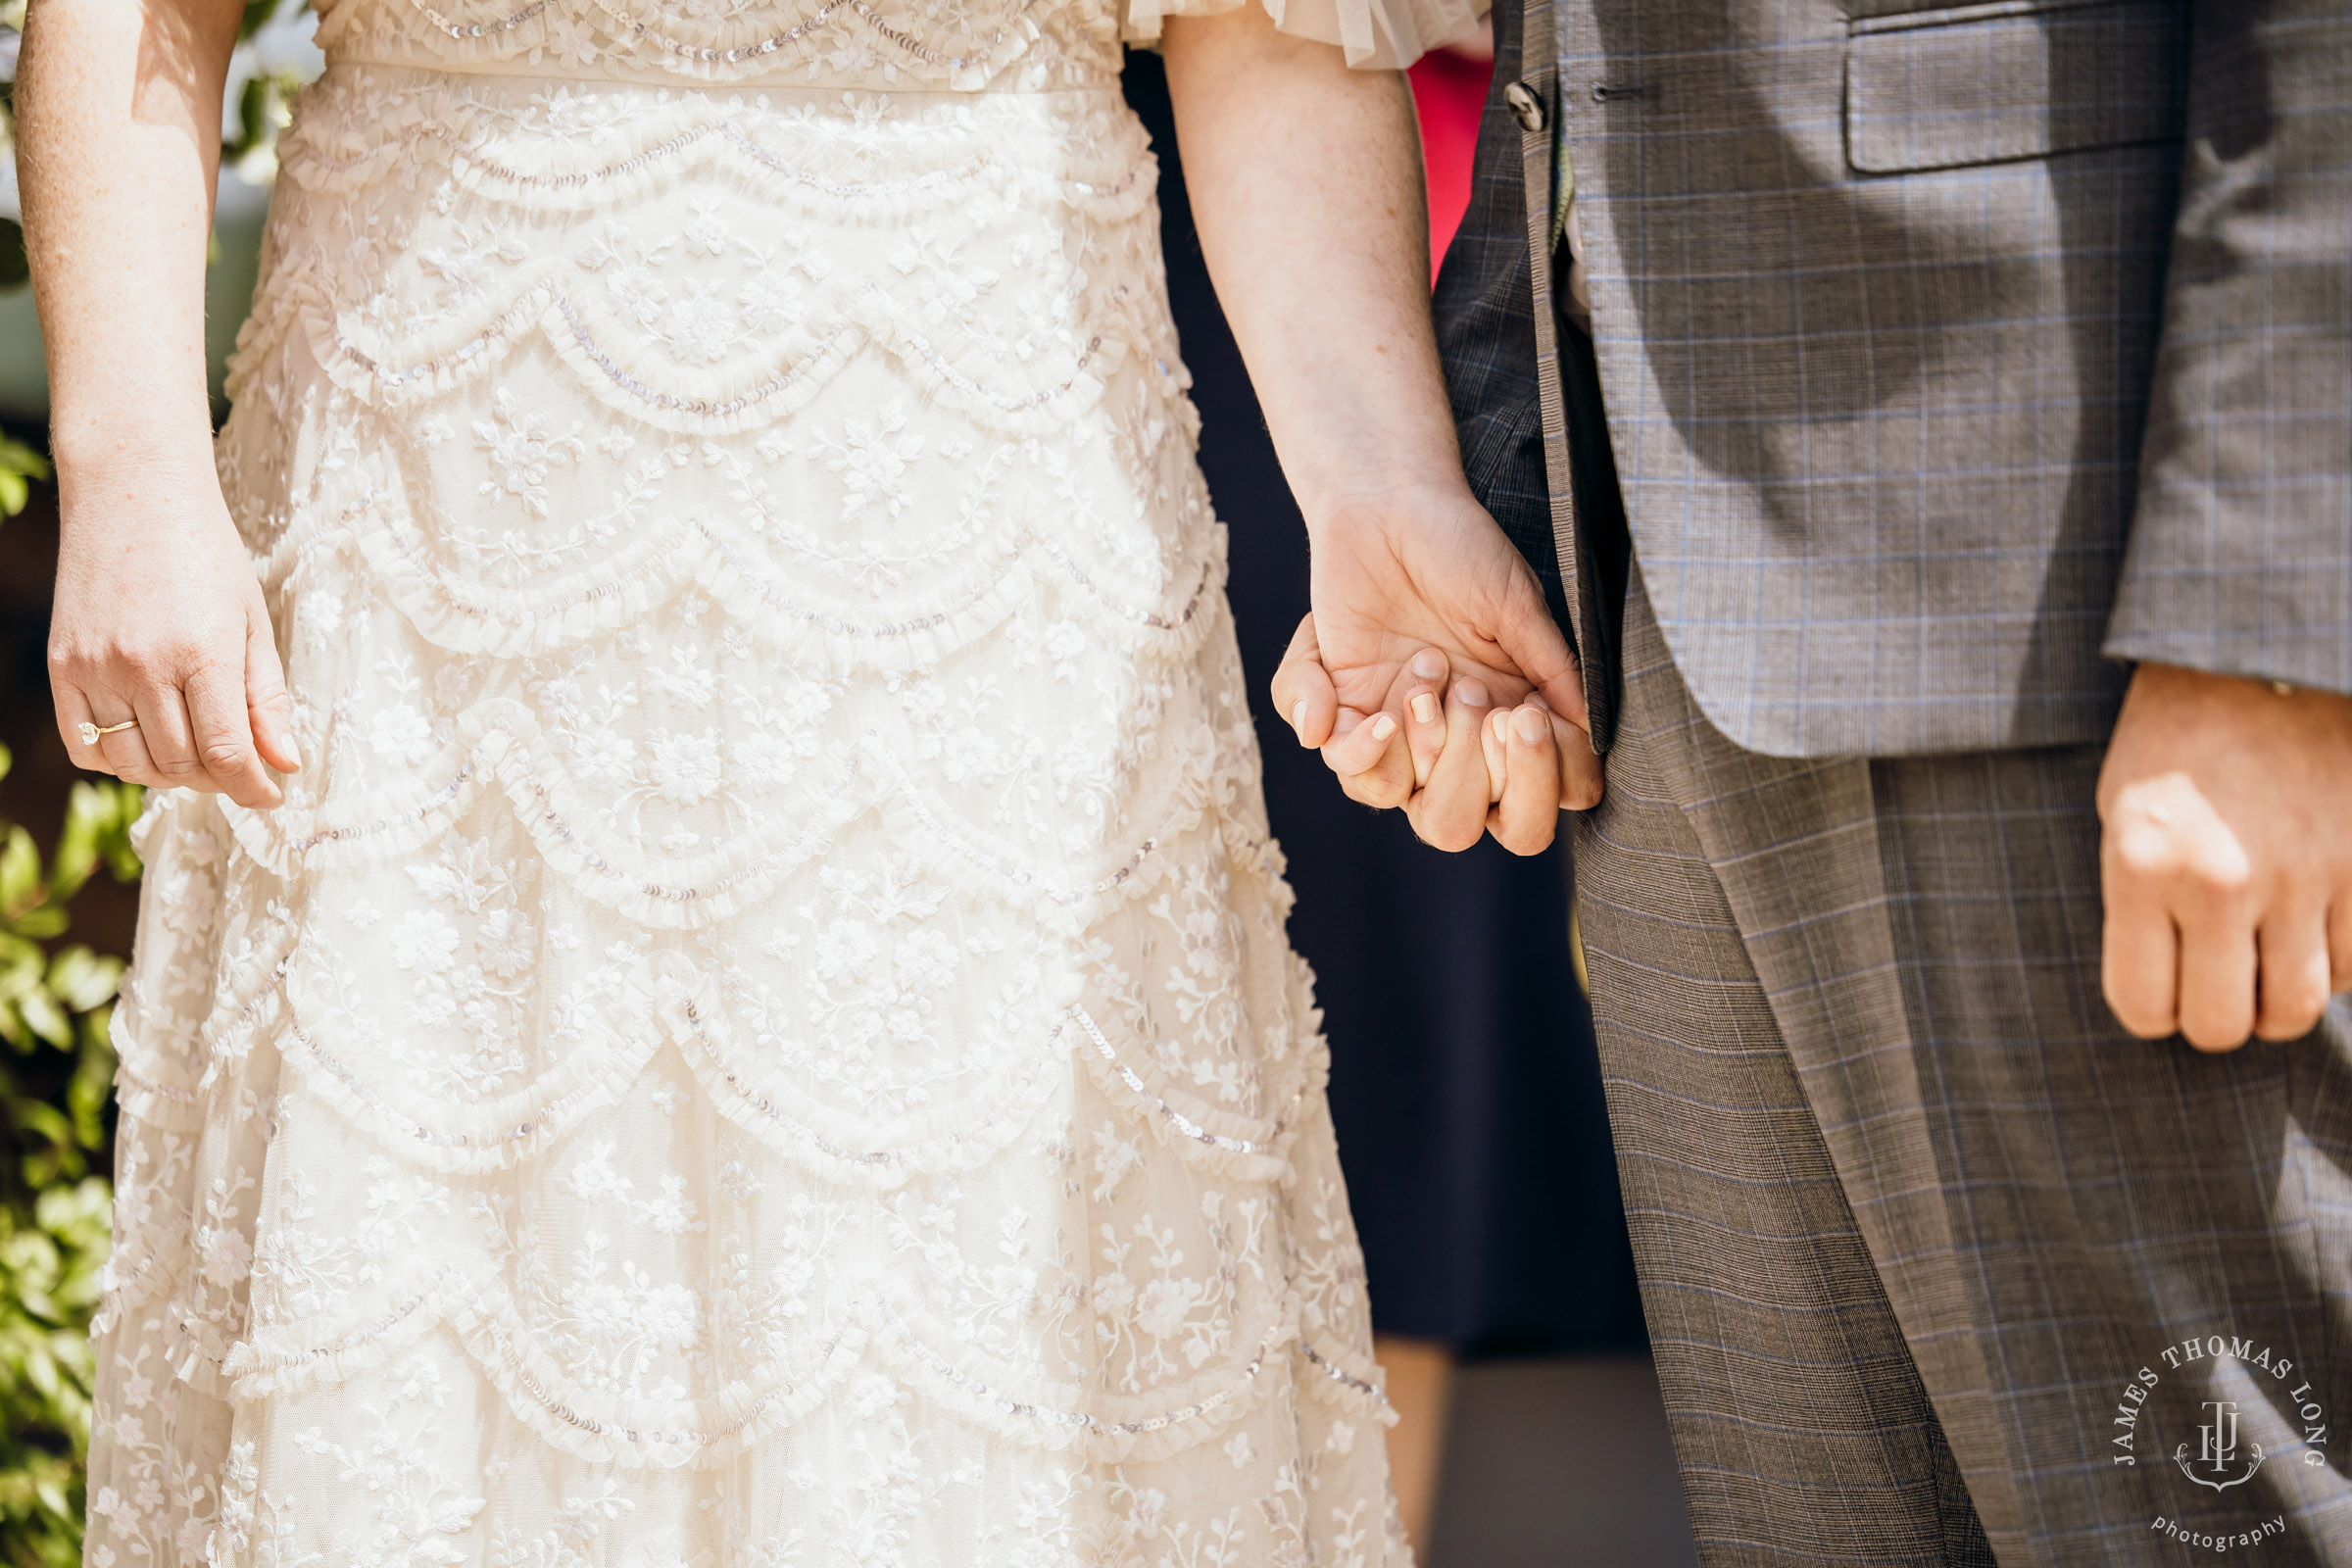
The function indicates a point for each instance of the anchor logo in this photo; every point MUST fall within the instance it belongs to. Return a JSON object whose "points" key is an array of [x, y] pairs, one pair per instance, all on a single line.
{"points": [[2217, 1452]]}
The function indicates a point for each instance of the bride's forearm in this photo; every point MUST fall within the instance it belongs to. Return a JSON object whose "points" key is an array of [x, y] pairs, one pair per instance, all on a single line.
{"points": [[1306, 185], [118, 134], [159, 639]]}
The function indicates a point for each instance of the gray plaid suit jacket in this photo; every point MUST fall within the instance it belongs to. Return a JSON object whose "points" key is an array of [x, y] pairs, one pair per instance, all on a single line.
{"points": [[1948, 355], [1941, 360]]}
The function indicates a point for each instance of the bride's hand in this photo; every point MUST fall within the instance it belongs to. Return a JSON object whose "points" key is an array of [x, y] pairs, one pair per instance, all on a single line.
{"points": [[158, 618]]}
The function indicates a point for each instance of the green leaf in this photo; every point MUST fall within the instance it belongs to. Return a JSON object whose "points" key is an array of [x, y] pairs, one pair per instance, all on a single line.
{"points": [[44, 1017], [79, 1217], [88, 813], [41, 1370], [22, 458], [87, 1094], [21, 965], [94, 1033], [122, 856], [45, 1123], [19, 873], [42, 921], [99, 817], [18, 462], [56, 1159], [82, 980]]}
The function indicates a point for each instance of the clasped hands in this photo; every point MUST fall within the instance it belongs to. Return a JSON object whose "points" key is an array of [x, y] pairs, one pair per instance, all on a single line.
{"points": [[1432, 677], [1464, 749]]}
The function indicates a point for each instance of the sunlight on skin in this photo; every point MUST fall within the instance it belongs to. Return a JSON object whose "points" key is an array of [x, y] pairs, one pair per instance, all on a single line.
{"points": [[1420, 1390], [2226, 858]]}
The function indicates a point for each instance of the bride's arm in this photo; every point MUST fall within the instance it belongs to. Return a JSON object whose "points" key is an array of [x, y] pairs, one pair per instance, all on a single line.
{"points": [[158, 616], [1306, 185]]}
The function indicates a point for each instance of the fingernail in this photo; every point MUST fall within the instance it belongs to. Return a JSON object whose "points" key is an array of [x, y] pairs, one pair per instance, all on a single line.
{"points": [[1470, 689], [1425, 708], [1537, 697], [1429, 663], [1298, 715], [1383, 727], [1533, 727], [293, 755]]}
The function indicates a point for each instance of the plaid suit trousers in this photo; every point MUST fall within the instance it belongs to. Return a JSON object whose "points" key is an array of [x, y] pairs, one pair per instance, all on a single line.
{"points": [[1923, 1235]]}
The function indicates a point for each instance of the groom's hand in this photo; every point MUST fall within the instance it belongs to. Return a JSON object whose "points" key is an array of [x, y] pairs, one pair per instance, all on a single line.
{"points": [[1409, 573], [2226, 858]]}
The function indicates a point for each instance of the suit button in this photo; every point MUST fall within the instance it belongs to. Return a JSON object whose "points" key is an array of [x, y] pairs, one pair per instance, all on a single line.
{"points": [[1526, 107]]}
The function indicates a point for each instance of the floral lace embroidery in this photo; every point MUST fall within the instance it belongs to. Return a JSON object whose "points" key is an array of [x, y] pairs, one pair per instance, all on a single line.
{"points": [[763, 1034]]}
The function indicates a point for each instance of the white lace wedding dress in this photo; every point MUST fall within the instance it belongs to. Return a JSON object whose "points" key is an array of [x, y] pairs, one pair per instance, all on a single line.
{"points": [[762, 1034]]}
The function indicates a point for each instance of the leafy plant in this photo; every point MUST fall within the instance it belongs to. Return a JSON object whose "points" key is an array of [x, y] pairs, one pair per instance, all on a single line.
{"points": [[20, 465], [50, 1262], [56, 1000]]}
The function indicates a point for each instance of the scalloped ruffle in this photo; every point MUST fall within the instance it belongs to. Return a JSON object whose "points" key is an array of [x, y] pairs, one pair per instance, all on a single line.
{"points": [[670, 556], [677, 1013], [500, 753], [547, 169], [673, 1008], [647, 42], [877, 1326], [755, 392]]}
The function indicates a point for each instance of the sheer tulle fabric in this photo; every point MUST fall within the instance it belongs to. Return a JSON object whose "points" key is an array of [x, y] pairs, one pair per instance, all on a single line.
{"points": [[1377, 34], [763, 1033]]}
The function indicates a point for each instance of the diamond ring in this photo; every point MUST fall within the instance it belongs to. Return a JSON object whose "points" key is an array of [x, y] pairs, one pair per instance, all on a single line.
{"points": [[90, 732]]}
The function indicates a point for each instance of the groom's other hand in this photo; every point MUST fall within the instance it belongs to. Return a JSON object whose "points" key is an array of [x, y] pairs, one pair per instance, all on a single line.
{"points": [[2226, 858]]}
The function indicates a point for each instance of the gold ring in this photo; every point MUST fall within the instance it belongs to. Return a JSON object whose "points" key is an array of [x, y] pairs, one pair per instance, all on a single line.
{"points": [[90, 732]]}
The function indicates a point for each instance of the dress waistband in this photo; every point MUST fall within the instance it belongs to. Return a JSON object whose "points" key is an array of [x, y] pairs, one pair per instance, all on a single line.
{"points": [[900, 61]]}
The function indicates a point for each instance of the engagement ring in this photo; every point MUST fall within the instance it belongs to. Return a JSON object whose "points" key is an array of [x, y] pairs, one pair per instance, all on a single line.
{"points": [[90, 732]]}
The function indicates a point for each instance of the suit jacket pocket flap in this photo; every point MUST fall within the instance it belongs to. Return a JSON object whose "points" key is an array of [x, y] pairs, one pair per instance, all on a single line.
{"points": [[2017, 78]]}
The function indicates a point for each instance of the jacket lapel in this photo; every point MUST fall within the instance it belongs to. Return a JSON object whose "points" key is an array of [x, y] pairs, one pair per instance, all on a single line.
{"points": [[1535, 100]]}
